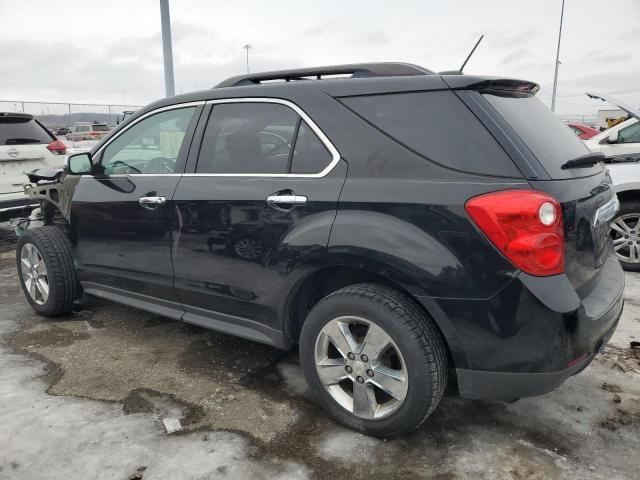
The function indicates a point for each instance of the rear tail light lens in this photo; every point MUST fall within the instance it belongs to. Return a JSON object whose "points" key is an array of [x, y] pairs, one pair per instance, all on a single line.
{"points": [[525, 225], [57, 147]]}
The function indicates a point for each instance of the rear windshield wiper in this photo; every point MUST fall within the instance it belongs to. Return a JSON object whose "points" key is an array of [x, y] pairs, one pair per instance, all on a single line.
{"points": [[584, 161]]}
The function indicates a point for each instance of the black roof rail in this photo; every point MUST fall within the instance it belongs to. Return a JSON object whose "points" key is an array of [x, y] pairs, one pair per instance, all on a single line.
{"points": [[356, 70]]}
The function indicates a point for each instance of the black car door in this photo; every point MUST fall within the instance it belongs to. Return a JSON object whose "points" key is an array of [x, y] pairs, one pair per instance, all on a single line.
{"points": [[255, 214], [121, 215]]}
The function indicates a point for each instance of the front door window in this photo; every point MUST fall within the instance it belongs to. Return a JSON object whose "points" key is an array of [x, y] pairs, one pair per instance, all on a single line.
{"points": [[151, 146]]}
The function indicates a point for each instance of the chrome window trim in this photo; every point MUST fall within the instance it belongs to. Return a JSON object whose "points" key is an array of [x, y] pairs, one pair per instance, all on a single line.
{"points": [[335, 155]]}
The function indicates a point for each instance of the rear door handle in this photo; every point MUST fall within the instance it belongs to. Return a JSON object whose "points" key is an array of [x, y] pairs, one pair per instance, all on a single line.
{"points": [[285, 202], [151, 203]]}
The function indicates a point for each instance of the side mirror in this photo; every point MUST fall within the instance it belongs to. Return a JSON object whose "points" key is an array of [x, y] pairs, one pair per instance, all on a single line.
{"points": [[79, 164], [613, 137]]}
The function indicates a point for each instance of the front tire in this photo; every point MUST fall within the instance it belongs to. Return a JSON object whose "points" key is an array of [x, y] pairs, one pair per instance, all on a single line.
{"points": [[373, 359], [46, 271], [625, 233]]}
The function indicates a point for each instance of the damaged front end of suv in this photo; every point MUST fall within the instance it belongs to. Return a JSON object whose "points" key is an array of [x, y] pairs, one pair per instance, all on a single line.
{"points": [[52, 189]]}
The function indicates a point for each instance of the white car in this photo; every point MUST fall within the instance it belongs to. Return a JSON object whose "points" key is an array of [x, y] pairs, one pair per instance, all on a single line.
{"points": [[621, 143], [24, 146], [88, 131]]}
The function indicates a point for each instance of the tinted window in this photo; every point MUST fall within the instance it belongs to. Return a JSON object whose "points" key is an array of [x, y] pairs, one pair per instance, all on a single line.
{"points": [[309, 154], [438, 126], [21, 130], [247, 138], [543, 132], [150, 146], [100, 128], [630, 134]]}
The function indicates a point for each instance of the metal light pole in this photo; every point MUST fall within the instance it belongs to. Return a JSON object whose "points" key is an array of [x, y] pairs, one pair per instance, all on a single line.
{"points": [[247, 47], [555, 76], [169, 86]]}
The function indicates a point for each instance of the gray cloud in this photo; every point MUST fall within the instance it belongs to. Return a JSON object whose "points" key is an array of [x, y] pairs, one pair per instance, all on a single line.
{"points": [[99, 53]]}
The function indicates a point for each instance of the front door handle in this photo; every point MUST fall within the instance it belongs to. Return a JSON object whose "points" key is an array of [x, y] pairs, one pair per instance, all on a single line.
{"points": [[151, 203], [285, 201]]}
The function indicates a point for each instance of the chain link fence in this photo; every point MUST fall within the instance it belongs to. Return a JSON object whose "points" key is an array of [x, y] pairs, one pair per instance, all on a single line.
{"points": [[66, 114]]}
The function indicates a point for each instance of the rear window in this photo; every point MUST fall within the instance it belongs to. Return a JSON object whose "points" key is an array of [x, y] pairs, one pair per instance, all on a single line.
{"points": [[22, 131], [100, 128], [550, 141], [438, 126]]}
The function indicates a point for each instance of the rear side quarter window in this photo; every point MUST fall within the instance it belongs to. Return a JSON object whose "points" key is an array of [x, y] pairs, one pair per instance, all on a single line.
{"points": [[437, 126]]}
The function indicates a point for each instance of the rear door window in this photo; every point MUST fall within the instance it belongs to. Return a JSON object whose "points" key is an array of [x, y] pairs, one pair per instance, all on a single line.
{"points": [[100, 128], [543, 132], [260, 138], [437, 126], [16, 130]]}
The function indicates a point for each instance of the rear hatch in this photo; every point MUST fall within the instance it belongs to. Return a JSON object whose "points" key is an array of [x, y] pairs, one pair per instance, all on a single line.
{"points": [[566, 170], [23, 147]]}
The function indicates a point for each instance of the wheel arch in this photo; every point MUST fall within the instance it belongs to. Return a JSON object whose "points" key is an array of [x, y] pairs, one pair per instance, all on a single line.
{"points": [[632, 194], [330, 278]]}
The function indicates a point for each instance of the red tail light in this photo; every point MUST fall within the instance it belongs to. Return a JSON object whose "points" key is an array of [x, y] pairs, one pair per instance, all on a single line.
{"points": [[57, 147], [94, 134], [525, 225]]}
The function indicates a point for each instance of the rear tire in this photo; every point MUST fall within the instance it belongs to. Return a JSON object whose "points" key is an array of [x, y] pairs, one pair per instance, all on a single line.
{"points": [[361, 318], [46, 271], [627, 222]]}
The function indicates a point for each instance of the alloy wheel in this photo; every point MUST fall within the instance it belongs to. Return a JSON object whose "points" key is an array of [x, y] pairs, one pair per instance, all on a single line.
{"points": [[34, 273], [625, 232], [361, 367]]}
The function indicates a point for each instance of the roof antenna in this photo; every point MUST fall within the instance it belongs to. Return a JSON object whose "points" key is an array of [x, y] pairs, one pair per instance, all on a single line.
{"points": [[471, 53]]}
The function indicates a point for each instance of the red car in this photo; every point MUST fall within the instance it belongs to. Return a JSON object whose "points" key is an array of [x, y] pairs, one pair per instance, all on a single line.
{"points": [[583, 131]]}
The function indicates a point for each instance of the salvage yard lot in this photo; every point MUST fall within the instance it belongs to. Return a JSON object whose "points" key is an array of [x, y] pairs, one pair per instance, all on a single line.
{"points": [[88, 396]]}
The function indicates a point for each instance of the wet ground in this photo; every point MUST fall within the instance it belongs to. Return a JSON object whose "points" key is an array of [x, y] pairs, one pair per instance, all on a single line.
{"points": [[88, 396]]}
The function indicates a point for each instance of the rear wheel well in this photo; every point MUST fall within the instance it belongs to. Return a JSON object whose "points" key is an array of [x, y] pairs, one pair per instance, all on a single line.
{"points": [[330, 279]]}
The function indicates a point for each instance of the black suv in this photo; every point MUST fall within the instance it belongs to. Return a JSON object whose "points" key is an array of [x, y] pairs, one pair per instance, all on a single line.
{"points": [[406, 229]]}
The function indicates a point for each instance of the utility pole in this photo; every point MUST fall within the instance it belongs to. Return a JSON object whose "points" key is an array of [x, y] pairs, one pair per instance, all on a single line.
{"points": [[247, 47], [169, 86], [555, 76]]}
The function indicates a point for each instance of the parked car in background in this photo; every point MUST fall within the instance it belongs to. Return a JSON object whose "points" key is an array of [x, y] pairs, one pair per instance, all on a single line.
{"points": [[350, 217], [62, 131], [93, 131], [25, 145], [583, 131], [621, 145]]}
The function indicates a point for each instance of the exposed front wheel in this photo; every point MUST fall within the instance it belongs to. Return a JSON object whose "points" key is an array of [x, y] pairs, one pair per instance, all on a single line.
{"points": [[373, 359], [625, 233], [46, 271]]}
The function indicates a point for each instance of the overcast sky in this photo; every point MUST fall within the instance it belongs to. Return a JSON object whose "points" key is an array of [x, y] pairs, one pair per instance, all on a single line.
{"points": [[111, 51]]}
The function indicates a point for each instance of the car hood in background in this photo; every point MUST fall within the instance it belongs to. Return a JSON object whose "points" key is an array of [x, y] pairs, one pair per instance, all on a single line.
{"points": [[634, 112]]}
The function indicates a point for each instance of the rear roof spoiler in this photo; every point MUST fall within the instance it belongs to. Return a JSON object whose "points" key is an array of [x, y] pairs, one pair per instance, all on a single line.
{"points": [[507, 85], [356, 70], [26, 116]]}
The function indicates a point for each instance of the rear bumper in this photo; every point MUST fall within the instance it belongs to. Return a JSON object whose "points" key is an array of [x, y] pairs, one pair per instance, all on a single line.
{"points": [[533, 334], [10, 202], [476, 384]]}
